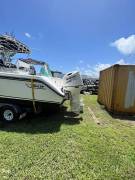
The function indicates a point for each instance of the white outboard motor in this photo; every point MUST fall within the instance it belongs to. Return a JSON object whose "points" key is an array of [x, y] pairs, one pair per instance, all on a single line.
{"points": [[72, 83]]}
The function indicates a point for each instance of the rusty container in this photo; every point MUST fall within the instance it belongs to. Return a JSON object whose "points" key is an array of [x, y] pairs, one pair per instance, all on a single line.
{"points": [[117, 89]]}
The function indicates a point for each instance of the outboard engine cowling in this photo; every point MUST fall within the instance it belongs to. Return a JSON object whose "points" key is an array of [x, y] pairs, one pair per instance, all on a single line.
{"points": [[72, 82]]}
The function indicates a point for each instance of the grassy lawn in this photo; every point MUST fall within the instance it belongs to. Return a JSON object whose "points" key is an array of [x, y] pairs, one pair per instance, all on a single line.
{"points": [[64, 147]]}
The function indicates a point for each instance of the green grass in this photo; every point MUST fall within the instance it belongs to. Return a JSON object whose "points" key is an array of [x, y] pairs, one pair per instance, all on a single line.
{"points": [[64, 147]]}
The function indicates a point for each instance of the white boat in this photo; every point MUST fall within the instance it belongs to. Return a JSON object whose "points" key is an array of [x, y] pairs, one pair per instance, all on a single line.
{"points": [[21, 87]]}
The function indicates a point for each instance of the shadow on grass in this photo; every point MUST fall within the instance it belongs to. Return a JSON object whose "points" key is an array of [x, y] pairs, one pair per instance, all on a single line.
{"points": [[123, 117], [120, 116], [49, 123]]}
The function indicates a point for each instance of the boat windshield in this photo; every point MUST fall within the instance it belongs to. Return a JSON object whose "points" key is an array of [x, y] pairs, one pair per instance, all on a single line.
{"points": [[45, 71], [34, 67]]}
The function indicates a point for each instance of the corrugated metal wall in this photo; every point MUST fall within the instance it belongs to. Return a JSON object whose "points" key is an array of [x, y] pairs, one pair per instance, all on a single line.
{"points": [[106, 83], [117, 88]]}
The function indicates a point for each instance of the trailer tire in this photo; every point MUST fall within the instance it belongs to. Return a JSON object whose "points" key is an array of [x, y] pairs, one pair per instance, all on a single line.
{"points": [[8, 114]]}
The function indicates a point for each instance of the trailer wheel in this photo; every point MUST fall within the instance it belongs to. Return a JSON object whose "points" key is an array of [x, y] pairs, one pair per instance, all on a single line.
{"points": [[8, 114]]}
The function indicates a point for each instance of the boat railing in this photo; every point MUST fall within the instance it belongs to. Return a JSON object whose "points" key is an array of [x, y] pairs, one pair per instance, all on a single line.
{"points": [[5, 69]]}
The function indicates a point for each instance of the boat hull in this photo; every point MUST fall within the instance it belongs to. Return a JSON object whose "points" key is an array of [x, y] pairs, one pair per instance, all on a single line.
{"points": [[26, 89]]}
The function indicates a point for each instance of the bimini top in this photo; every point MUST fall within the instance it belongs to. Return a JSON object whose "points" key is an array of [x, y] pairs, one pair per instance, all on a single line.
{"points": [[33, 61], [10, 44]]}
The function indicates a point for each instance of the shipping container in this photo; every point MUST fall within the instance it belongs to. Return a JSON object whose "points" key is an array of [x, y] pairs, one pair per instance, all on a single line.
{"points": [[117, 89]]}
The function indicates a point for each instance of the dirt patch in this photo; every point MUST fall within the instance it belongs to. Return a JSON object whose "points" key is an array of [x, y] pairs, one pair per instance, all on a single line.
{"points": [[94, 116]]}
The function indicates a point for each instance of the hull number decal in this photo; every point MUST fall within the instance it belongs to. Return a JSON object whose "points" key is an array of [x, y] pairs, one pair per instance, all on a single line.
{"points": [[36, 85]]}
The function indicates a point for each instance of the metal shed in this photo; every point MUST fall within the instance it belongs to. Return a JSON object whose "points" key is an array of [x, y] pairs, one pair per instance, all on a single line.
{"points": [[117, 89]]}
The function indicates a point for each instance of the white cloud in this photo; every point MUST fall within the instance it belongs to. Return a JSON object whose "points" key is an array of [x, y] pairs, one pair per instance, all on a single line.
{"points": [[125, 45], [100, 67], [27, 35], [121, 61], [93, 71]]}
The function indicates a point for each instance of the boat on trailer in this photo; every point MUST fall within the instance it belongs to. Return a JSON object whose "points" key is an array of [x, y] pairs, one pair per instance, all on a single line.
{"points": [[21, 88]]}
